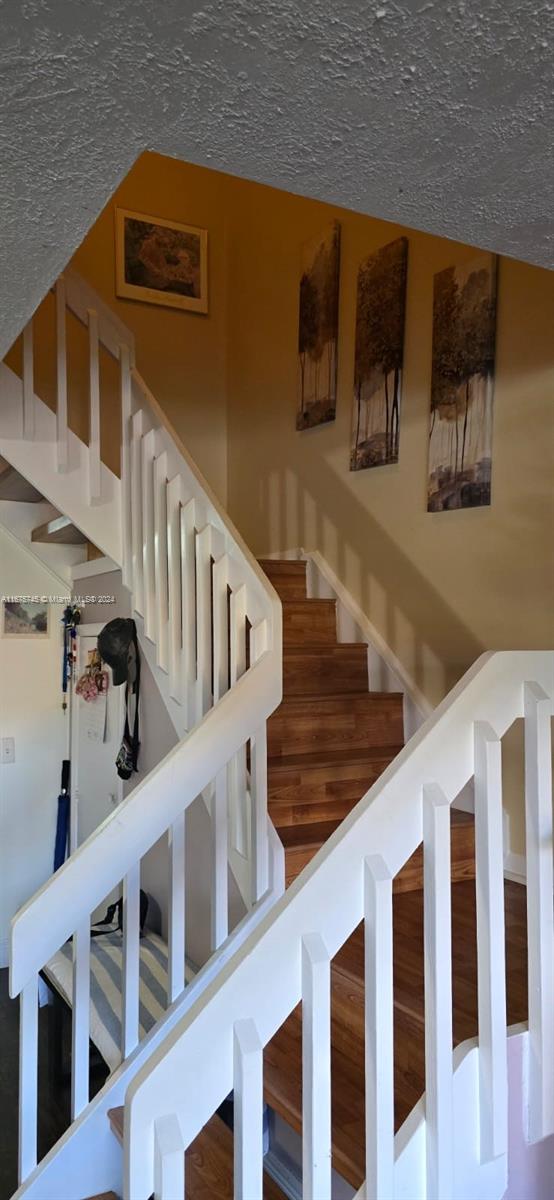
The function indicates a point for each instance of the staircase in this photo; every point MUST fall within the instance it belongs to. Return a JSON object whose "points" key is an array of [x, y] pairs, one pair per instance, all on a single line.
{"points": [[302, 1006], [209, 625]]}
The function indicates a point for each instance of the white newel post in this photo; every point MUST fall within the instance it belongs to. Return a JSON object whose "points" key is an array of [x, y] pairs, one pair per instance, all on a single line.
{"points": [[62, 431], [126, 506], [169, 1159], [95, 487], [258, 784], [540, 917], [131, 960], [438, 993], [28, 383], [491, 948], [28, 1078], [316, 1069], [379, 1040], [137, 554], [248, 1090], [81, 1019], [177, 909]]}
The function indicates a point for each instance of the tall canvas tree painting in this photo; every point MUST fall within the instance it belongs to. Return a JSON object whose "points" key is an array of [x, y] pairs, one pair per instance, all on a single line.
{"points": [[380, 313], [460, 431], [318, 329]]}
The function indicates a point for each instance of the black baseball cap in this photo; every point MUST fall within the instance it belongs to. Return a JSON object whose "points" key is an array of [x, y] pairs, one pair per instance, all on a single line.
{"points": [[113, 644]]}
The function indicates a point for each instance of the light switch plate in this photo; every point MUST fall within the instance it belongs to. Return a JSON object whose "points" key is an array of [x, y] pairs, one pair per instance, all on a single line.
{"points": [[7, 750]]}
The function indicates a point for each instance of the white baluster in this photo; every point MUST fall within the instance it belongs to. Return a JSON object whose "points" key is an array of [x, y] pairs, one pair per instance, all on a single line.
{"points": [[169, 1159], [438, 993], [175, 646], [160, 558], [94, 475], [248, 1095], [177, 902], [62, 432], [258, 783], [131, 960], [28, 1078], [149, 583], [188, 601], [237, 766], [80, 1019], [491, 965], [220, 910], [540, 919], [137, 433], [126, 502], [203, 619], [379, 1042], [220, 577], [316, 1069], [28, 383]]}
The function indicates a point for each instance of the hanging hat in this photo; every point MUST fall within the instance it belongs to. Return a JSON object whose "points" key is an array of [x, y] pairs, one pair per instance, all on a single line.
{"points": [[114, 642]]}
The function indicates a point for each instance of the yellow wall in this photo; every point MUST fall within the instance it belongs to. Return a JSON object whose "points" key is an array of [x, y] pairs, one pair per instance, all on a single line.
{"points": [[181, 355], [441, 588]]}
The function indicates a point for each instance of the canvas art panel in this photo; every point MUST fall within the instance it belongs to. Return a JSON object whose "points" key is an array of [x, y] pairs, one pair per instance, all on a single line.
{"points": [[161, 262], [378, 356], [318, 329], [462, 383], [23, 619]]}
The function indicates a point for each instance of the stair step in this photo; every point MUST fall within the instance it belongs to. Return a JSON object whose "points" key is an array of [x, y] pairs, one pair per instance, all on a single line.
{"points": [[353, 722], [309, 623], [288, 577], [325, 670], [209, 1162], [15, 487], [303, 790], [302, 842], [105, 1196], [59, 531]]}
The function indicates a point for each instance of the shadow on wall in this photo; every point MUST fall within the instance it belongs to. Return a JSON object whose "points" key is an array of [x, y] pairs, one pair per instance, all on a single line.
{"points": [[414, 619]]}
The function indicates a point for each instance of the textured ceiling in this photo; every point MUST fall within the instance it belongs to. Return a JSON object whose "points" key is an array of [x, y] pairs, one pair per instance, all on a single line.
{"points": [[432, 113]]}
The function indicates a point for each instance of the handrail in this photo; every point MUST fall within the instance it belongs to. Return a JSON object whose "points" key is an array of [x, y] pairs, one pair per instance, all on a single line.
{"points": [[49, 917], [264, 980]]}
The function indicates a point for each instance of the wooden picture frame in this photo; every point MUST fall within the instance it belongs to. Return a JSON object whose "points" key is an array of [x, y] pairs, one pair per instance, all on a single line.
{"points": [[25, 619], [159, 261]]}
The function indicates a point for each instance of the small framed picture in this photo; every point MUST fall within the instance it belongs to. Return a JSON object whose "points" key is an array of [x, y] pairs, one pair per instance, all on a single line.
{"points": [[23, 619], [161, 262]]}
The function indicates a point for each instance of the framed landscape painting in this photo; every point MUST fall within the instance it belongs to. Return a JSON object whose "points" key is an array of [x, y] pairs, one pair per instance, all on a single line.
{"points": [[161, 262], [23, 619], [318, 329], [462, 383], [378, 356]]}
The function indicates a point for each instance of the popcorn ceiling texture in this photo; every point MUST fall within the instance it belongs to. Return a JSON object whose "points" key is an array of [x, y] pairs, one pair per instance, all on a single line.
{"points": [[428, 112]]}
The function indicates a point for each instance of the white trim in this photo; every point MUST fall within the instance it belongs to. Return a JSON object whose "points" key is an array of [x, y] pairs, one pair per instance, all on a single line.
{"points": [[97, 566], [515, 868], [61, 584]]}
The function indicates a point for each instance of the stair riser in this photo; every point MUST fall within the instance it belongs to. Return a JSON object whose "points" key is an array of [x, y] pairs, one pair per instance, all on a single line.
{"points": [[322, 673], [311, 623], [288, 578], [323, 801], [353, 724]]}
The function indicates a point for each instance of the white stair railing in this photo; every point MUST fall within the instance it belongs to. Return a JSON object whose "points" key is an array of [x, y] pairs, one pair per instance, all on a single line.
{"points": [[211, 623], [287, 959]]}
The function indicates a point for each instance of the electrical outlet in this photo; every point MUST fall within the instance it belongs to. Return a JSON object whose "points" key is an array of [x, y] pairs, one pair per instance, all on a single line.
{"points": [[7, 750]]}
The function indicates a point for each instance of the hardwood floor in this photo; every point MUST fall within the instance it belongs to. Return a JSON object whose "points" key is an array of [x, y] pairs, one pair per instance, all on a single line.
{"points": [[283, 1055]]}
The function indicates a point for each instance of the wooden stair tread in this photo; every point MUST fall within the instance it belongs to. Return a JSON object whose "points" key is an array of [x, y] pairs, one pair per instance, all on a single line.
{"points": [[324, 669], [104, 1196], [315, 759], [59, 531], [209, 1162]]}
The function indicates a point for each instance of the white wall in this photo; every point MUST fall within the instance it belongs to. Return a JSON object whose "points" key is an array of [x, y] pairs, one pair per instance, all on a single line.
{"points": [[30, 711]]}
